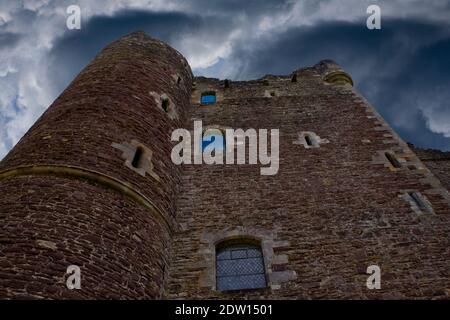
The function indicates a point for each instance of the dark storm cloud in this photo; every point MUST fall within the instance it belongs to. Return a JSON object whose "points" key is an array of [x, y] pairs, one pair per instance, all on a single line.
{"points": [[399, 69], [402, 68], [76, 49], [250, 7], [213, 20], [9, 39]]}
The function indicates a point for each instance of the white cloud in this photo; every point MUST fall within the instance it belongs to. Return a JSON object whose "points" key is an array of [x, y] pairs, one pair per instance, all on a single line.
{"points": [[438, 122], [435, 108]]}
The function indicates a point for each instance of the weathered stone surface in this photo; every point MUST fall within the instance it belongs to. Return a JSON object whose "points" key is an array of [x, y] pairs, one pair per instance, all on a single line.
{"points": [[62, 210], [437, 161], [335, 210], [69, 197]]}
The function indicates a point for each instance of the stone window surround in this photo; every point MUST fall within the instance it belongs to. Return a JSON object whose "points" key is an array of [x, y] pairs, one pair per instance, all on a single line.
{"points": [[177, 79], [171, 108], [266, 239], [315, 140], [128, 151], [211, 93], [380, 158], [200, 88], [405, 195], [271, 93]]}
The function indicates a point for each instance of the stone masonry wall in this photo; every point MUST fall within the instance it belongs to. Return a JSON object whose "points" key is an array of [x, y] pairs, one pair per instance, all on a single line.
{"points": [[70, 193], [329, 213], [50, 223], [437, 161]]}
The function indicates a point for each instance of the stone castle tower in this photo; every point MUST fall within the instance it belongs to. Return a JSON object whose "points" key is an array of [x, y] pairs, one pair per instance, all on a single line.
{"points": [[92, 184]]}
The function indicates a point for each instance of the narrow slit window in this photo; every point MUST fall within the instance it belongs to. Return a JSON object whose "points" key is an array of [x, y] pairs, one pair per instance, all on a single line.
{"points": [[239, 267], [227, 83], [165, 104], [208, 97], [417, 198], [137, 157], [308, 140], [294, 78], [393, 160]]}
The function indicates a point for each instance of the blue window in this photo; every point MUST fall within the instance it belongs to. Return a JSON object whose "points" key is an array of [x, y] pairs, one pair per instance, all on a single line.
{"points": [[208, 97], [215, 138], [240, 266]]}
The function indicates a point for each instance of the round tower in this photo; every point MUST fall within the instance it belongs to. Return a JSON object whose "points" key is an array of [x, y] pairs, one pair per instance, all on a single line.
{"points": [[91, 185]]}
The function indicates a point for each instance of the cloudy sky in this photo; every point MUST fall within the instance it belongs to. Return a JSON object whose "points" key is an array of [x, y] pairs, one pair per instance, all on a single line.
{"points": [[402, 69]]}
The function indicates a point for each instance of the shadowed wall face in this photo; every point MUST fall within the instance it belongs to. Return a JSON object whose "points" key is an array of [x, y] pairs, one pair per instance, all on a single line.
{"points": [[336, 206], [437, 161], [73, 191]]}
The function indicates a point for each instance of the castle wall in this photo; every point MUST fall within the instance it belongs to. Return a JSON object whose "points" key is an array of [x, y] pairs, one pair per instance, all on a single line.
{"points": [[329, 213], [50, 223], [92, 184], [70, 191], [437, 161]]}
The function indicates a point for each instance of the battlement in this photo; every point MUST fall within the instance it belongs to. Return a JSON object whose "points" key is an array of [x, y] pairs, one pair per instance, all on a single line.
{"points": [[324, 70], [300, 82]]}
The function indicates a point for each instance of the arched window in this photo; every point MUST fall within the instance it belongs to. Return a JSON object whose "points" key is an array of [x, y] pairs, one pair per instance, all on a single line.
{"points": [[240, 266]]}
